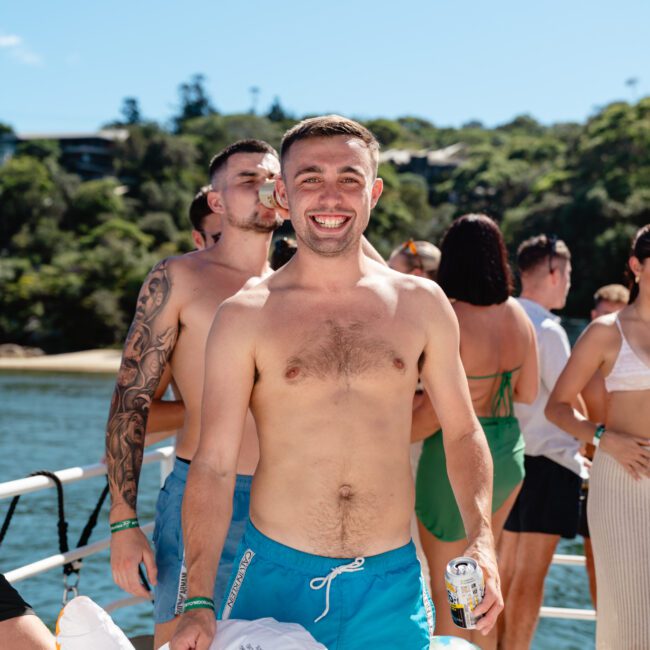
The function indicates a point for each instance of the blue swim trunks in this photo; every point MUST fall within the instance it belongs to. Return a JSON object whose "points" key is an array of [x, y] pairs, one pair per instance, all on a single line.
{"points": [[171, 590], [346, 604]]}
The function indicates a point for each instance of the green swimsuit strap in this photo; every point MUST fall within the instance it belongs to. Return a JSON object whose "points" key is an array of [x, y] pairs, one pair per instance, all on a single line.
{"points": [[502, 401]]}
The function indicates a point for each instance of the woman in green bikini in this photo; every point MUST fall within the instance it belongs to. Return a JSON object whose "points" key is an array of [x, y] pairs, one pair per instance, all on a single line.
{"points": [[499, 351]]}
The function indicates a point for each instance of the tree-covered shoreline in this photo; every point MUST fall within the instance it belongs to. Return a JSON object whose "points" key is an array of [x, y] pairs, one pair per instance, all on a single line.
{"points": [[73, 253]]}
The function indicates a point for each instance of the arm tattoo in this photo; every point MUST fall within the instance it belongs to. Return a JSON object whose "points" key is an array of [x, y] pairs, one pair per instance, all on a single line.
{"points": [[148, 346]]}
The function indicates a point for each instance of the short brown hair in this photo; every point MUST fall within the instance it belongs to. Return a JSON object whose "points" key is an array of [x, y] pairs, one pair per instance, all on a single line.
{"points": [[199, 208], [329, 126], [612, 293], [541, 249], [241, 146]]}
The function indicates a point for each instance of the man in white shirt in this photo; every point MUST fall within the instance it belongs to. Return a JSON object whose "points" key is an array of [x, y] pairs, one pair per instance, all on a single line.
{"points": [[547, 506]]}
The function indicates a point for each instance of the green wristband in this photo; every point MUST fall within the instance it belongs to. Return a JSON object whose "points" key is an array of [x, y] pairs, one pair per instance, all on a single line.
{"points": [[598, 434], [124, 525], [198, 603]]}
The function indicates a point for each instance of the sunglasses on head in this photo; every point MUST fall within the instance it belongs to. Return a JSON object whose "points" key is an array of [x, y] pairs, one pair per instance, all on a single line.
{"points": [[410, 247]]}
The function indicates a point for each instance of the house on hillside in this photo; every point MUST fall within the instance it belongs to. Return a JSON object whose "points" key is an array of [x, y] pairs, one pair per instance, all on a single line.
{"points": [[432, 164], [90, 155]]}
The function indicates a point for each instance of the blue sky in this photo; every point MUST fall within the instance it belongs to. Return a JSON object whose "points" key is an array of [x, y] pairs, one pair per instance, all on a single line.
{"points": [[67, 65]]}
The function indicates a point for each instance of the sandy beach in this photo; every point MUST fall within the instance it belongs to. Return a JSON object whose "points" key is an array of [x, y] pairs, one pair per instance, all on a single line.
{"points": [[102, 361]]}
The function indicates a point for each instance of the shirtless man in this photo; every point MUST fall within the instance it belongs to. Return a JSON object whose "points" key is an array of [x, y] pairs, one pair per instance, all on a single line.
{"points": [[206, 225], [175, 309], [167, 416], [327, 351]]}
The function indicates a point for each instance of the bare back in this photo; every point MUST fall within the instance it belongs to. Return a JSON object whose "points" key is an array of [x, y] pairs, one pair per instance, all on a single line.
{"points": [[495, 339], [201, 284]]}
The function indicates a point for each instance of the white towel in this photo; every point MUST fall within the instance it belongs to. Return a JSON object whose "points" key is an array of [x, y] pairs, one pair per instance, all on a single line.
{"points": [[83, 624], [262, 633]]}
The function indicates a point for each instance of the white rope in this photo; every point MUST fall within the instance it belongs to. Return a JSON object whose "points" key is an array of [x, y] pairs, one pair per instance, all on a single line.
{"points": [[326, 581]]}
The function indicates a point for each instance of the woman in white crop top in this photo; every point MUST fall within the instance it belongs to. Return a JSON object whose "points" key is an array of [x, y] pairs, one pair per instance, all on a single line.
{"points": [[619, 492]]}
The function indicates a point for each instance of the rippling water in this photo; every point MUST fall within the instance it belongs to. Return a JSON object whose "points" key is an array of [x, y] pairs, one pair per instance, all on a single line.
{"points": [[50, 421]]}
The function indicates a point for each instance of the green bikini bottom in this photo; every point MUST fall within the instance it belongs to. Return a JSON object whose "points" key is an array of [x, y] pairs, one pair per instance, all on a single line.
{"points": [[435, 504]]}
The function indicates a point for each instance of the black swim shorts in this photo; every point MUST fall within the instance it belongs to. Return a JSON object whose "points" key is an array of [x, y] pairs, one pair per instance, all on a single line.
{"points": [[11, 603], [549, 500]]}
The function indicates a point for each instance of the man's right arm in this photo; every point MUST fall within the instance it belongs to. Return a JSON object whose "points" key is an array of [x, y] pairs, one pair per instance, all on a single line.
{"points": [[148, 346], [207, 505], [468, 458]]}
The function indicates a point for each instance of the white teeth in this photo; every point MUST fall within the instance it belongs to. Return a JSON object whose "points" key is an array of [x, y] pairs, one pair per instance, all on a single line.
{"points": [[329, 222]]}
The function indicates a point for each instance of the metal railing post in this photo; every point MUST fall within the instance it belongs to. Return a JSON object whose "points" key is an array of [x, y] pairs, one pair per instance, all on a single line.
{"points": [[166, 467]]}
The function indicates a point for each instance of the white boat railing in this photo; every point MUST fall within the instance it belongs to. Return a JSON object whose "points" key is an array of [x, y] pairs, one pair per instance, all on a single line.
{"points": [[165, 456], [10, 489]]}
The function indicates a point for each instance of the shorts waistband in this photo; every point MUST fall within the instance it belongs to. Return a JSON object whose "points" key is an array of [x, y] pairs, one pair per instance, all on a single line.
{"points": [[273, 551], [181, 468]]}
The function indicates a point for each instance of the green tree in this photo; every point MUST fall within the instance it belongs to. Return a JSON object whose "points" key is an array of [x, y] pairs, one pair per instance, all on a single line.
{"points": [[27, 194], [40, 149], [277, 113], [130, 111], [95, 202], [194, 101]]}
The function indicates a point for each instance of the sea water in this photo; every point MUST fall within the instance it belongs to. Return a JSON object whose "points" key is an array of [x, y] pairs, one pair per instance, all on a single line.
{"points": [[52, 421]]}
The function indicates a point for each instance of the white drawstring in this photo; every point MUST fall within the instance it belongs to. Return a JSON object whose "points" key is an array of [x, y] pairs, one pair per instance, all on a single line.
{"points": [[319, 583]]}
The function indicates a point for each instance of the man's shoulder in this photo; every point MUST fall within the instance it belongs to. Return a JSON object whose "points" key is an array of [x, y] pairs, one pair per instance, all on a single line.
{"points": [[194, 268], [250, 298], [542, 318], [172, 266], [408, 284]]}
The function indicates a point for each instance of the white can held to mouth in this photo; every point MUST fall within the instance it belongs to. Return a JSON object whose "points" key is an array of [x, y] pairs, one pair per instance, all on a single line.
{"points": [[267, 195]]}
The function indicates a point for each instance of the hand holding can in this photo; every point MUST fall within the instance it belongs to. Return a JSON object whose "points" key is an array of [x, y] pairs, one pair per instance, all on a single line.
{"points": [[465, 590], [481, 551]]}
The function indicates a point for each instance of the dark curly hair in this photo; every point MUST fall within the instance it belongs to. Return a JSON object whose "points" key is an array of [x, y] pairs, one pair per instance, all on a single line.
{"points": [[474, 263]]}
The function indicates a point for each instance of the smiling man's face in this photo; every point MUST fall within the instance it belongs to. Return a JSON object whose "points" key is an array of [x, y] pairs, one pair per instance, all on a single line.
{"points": [[330, 186]]}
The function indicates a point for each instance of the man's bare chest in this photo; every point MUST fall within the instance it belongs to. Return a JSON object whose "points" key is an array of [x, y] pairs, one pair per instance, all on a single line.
{"points": [[339, 347]]}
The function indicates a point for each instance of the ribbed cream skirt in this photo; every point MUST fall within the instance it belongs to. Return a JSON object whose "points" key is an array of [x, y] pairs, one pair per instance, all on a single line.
{"points": [[619, 521]]}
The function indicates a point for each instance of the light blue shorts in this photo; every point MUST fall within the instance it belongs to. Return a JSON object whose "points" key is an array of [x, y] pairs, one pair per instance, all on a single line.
{"points": [[171, 590], [374, 602]]}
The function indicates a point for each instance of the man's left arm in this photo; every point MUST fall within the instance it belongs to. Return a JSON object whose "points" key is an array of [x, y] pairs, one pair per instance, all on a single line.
{"points": [[469, 462]]}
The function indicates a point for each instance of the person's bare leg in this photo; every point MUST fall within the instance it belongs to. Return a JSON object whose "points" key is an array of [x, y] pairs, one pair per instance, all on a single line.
{"points": [[526, 592], [591, 570], [26, 632], [507, 556], [489, 641], [438, 554], [163, 632]]}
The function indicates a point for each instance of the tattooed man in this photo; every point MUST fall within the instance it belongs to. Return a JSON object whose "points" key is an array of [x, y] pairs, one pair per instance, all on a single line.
{"points": [[167, 416], [327, 351], [175, 310]]}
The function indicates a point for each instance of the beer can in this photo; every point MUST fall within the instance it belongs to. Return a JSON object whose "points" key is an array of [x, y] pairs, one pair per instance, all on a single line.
{"points": [[267, 195], [465, 590]]}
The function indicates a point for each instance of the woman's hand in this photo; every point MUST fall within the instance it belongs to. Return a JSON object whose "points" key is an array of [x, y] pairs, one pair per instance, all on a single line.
{"points": [[632, 452]]}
